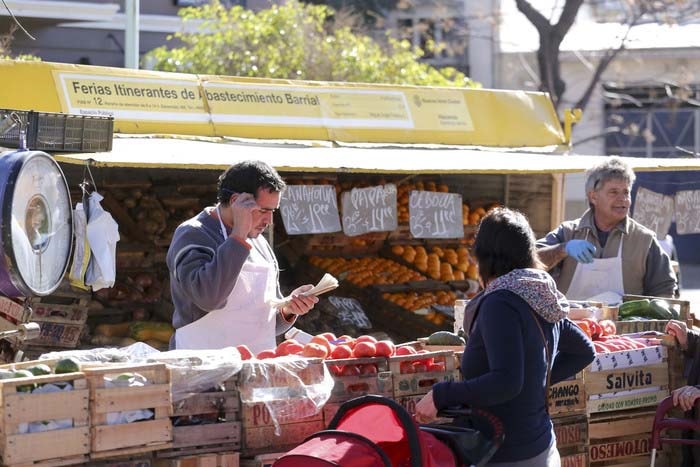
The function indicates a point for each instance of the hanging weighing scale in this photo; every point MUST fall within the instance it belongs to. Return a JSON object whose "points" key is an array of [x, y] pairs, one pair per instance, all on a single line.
{"points": [[36, 234]]}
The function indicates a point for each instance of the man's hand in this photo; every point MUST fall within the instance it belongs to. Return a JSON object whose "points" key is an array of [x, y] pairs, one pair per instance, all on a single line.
{"points": [[301, 303], [581, 250], [685, 397], [679, 330], [242, 206]]}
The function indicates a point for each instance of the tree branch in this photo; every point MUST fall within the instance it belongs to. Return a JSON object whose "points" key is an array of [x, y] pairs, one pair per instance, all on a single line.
{"points": [[603, 64], [566, 19], [536, 18]]}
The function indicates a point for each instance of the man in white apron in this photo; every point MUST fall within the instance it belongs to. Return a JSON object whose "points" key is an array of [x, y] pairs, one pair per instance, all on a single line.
{"points": [[223, 273], [605, 253]]}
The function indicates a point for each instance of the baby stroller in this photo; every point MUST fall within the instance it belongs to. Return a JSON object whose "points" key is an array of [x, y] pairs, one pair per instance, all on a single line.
{"points": [[661, 423], [373, 431]]}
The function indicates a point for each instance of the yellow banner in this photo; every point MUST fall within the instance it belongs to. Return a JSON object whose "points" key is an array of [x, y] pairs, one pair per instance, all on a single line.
{"points": [[129, 98], [172, 103]]}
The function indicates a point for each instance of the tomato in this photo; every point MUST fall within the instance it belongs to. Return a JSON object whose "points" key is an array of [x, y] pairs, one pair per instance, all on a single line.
{"points": [[364, 349], [405, 350], [350, 370], [366, 338], [294, 348], [282, 350], [426, 361], [336, 370], [368, 369], [585, 327], [385, 348], [608, 327], [319, 339], [245, 352], [407, 367], [341, 351], [314, 350], [420, 367], [268, 353], [596, 330], [330, 337], [436, 366], [348, 340]]}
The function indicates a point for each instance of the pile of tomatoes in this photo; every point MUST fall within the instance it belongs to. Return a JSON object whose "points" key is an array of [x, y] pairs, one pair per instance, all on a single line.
{"points": [[603, 333]]}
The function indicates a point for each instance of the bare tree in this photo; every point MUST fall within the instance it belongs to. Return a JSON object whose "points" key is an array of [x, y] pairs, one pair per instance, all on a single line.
{"points": [[551, 35]]}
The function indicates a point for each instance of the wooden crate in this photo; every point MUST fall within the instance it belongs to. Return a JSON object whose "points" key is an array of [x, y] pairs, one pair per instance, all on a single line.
{"points": [[349, 387], [612, 380], [407, 384], [568, 397], [129, 438], [571, 433], [261, 460], [620, 438], [579, 459], [628, 327], [262, 439], [67, 446], [143, 460], [216, 418], [218, 459]]}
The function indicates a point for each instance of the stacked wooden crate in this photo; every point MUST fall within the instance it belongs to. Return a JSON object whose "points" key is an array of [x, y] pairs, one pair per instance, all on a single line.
{"points": [[567, 407], [413, 378], [623, 390], [294, 416], [27, 414], [114, 438]]}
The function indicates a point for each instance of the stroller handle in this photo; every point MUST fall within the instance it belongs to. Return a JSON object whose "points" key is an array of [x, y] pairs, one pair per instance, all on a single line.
{"points": [[456, 412]]}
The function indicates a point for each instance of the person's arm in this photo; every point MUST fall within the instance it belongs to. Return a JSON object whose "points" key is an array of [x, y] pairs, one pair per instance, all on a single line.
{"points": [[206, 275], [551, 249], [575, 352], [499, 324], [659, 278]]}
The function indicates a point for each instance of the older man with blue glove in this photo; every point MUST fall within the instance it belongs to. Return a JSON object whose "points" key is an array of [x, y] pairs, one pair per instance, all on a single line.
{"points": [[605, 252]]}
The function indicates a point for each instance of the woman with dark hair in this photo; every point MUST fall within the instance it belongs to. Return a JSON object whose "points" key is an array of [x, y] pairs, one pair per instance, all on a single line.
{"points": [[520, 342]]}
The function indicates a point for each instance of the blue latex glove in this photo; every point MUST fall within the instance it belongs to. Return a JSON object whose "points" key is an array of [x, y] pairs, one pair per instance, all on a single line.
{"points": [[581, 250]]}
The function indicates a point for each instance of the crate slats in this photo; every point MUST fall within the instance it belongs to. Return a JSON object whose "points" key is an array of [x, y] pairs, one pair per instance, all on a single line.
{"points": [[53, 447]]}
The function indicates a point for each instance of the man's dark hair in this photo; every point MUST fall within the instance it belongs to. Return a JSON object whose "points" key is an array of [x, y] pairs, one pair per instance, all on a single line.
{"points": [[504, 242], [247, 177]]}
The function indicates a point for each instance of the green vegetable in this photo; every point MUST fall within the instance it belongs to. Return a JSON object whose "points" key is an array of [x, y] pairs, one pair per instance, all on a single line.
{"points": [[6, 374], [67, 365], [661, 309], [39, 370], [24, 387], [633, 308], [445, 338]]}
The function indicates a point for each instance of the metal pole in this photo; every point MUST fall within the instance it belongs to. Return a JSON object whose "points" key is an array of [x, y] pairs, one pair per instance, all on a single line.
{"points": [[131, 34]]}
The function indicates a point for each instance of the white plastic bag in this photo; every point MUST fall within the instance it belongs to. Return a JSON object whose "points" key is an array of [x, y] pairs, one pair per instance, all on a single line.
{"points": [[102, 235]]}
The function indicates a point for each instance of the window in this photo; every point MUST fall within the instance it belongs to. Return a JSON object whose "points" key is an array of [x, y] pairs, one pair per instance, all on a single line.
{"points": [[652, 122]]}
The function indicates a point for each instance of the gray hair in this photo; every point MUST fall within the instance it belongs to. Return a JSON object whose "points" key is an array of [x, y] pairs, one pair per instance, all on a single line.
{"points": [[612, 168]]}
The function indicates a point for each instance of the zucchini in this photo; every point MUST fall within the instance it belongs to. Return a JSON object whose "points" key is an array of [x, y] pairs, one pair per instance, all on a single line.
{"points": [[663, 309], [634, 308]]}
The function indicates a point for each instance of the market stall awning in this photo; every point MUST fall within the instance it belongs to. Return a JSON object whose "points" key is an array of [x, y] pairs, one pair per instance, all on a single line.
{"points": [[219, 153], [149, 102]]}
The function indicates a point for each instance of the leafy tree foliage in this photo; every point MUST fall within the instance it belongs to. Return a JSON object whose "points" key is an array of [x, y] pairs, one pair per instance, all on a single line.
{"points": [[293, 41]]}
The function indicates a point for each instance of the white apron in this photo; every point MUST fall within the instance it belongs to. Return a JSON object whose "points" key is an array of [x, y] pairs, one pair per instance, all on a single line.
{"points": [[602, 275], [245, 319]]}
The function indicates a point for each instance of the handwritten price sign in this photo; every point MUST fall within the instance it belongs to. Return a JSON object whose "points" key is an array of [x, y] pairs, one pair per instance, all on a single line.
{"points": [[310, 209]]}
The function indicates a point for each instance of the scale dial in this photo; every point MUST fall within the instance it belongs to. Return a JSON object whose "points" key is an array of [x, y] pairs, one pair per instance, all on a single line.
{"points": [[37, 209]]}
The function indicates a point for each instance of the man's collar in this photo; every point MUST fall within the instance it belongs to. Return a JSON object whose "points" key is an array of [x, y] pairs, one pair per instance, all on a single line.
{"points": [[588, 222]]}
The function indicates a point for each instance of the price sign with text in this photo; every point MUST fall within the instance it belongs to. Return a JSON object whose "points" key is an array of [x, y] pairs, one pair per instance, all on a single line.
{"points": [[654, 211], [435, 214], [687, 204], [310, 209], [371, 209], [350, 311]]}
